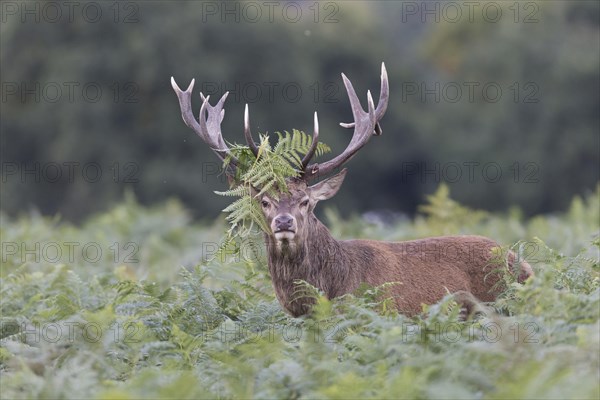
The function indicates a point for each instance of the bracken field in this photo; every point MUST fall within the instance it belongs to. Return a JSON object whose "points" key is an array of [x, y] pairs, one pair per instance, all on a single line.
{"points": [[142, 302]]}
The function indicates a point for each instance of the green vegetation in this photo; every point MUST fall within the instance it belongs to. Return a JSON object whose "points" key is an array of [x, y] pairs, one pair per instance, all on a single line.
{"points": [[146, 317], [265, 173]]}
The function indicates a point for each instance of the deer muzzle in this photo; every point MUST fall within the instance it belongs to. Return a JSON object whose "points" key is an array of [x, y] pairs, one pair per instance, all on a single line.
{"points": [[284, 227]]}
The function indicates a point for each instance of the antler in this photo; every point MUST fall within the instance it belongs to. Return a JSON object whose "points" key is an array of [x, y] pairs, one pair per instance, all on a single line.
{"points": [[366, 124], [208, 126]]}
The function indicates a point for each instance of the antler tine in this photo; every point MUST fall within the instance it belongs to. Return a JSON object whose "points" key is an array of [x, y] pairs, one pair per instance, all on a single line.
{"points": [[366, 124], [248, 133], [314, 144], [384, 94], [208, 126], [354, 102]]}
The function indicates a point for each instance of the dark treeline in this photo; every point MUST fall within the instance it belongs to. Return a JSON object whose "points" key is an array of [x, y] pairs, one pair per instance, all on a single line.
{"points": [[500, 100]]}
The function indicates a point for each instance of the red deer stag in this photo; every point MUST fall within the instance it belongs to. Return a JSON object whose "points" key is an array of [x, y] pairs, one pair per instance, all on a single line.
{"points": [[300, 247]]}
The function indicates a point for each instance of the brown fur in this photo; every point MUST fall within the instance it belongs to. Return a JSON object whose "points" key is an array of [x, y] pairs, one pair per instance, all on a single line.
{"points": [[425, 270]]}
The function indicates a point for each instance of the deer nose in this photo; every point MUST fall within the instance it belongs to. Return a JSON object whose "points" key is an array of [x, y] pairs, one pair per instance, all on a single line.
{"points": [[284, 222]]}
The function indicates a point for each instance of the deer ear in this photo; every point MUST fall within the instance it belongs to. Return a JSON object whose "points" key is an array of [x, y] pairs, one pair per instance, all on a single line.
{"points": [[328, 188]]}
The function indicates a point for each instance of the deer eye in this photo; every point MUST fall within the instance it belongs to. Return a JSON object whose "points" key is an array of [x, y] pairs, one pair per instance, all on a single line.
{"points": [[265, 204], [304, 203]]}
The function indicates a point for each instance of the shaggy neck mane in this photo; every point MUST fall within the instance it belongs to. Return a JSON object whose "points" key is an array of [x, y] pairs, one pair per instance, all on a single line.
{"points": [[317, 259]]}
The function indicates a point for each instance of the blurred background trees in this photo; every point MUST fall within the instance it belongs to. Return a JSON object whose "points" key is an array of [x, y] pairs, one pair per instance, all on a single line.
{"points": [[502, 107]]}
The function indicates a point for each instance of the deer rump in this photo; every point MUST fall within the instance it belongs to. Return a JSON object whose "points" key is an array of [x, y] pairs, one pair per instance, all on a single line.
{"points": [[300, 247]]}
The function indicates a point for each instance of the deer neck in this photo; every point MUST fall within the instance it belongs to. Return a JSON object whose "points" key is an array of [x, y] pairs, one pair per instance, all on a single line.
{"points": [[302, 258], [317, 259]]}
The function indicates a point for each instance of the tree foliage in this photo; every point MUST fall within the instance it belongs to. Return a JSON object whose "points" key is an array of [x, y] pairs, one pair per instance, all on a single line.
{"points": [[134, 132]]}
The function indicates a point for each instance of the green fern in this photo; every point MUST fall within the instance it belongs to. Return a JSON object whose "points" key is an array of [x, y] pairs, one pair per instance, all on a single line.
{"points": [[267, 173]]}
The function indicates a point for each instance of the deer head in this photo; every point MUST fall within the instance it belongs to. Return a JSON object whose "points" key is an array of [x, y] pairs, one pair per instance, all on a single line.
{"points": [[291, 214]]}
